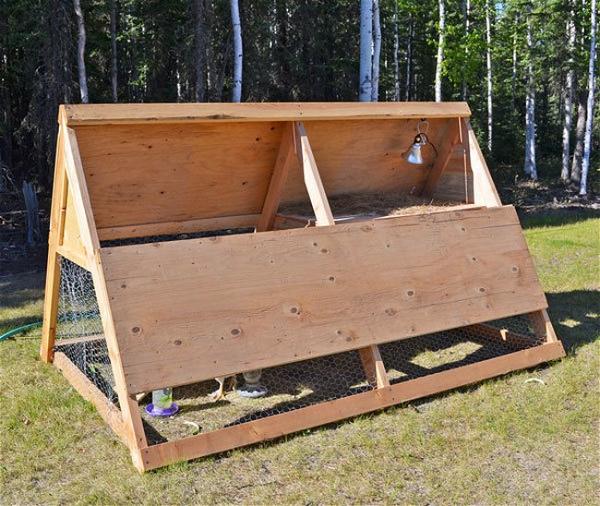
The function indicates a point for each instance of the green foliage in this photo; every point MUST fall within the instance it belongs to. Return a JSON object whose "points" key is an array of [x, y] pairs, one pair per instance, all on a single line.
{"points": [[293, 50]]}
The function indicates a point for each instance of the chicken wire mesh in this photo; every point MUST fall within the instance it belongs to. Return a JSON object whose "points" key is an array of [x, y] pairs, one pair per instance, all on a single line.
{"points": [[289, 387], [79, 333]]}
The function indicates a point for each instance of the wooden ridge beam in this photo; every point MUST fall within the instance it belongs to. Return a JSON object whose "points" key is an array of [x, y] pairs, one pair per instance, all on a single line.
{"points": [[98, 114]]}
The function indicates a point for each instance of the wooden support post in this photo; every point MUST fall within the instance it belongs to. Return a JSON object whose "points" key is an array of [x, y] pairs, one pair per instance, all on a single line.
{"points": [[542, 326], [484, 190], [312, 178], [370, 356], [57, 218], [454, 137], [285, 158], [374, 367]]}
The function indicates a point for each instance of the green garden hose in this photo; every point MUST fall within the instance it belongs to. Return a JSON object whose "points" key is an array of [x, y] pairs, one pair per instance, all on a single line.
{"points": [[18, 330]]}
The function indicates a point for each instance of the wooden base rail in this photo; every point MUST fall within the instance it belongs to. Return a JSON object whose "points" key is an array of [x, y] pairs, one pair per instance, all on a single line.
{"points": [[323, 413], [268, 428]]}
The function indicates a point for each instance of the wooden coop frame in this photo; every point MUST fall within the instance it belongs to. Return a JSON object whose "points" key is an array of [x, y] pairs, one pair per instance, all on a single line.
{"points": [[287, 292]]}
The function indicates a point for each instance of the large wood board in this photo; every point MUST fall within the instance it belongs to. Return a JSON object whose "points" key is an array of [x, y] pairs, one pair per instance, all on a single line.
{"points": [[185, 311], [171, 173]]}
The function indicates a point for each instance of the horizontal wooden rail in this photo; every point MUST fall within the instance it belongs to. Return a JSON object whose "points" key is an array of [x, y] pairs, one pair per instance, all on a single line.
{"points": [[95, 114], [275, 426], [178, 227], [90, 392]]}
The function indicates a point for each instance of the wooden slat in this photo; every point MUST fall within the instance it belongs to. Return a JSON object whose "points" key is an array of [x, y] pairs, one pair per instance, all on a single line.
{"points": [[179, 227], [57, 217], [542, 325], [452, 138], [223, 305], [72, 239], [484, 190], [79, 192], [135, 434], [373, 366], [92, 114], [312, 178], [108, 411], [286, 158], [328, 412]]}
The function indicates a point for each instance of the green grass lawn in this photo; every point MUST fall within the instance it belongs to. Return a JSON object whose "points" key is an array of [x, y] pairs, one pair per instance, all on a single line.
{"points": [[504, 441]]}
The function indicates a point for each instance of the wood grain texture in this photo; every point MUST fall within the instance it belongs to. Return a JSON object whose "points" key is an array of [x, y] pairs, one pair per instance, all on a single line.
{"points": [[163, 174], [484, 189], [223, 305], [452, 137], [86, 114], [286, 159], [55, 234], [328, 412]]}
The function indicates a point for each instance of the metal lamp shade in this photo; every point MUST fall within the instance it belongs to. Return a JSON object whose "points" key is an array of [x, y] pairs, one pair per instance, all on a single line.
{"points": [[413, 155]]}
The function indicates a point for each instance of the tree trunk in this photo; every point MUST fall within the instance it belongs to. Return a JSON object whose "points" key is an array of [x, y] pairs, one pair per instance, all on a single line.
{"points": [[366, 48], [376, 51], [514, 64], [530, 165], [568, 120], [238, 53], [83, 89], [488, 36], [579, 137], [467, 21], [440, 51], [409, 57], [589, 120], [396, 60], [113, 51], [199, 29]]}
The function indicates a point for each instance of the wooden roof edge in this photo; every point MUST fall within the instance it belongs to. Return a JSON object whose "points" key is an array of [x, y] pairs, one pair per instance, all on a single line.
{"points": [[92, 114]]}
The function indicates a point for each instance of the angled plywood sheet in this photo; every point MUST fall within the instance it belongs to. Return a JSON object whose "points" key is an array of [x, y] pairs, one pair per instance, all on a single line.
{"points": [[283, 296]]}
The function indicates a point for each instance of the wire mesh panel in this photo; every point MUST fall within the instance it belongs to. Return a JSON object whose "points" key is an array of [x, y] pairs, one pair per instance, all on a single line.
{"points": [[79, 333], [310, 382], [408, 359]]}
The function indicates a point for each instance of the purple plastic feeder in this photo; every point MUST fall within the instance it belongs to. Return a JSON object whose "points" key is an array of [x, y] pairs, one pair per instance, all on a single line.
{"points": [[162, 403]]}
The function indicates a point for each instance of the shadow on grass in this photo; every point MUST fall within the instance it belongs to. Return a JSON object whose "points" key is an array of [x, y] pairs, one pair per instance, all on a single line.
{"points": [[576, 317], [556, 217], [19, 289]]}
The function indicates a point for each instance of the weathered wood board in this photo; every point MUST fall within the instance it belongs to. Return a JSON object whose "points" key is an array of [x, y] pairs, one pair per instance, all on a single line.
{"points": [[185, 311]]}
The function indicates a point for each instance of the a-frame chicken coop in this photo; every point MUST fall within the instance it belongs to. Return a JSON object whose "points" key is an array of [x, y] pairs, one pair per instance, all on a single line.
{"points": [[330, 245]]}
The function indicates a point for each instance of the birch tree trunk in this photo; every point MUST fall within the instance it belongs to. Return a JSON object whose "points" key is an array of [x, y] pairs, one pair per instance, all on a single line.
{"points": [[409, 57], [467, 21], [114, 69], [589, 120], [238, 54], [366, 48], [568, 120], [579, 137], [440, 51], [530, 165], [514, 63], [488, 37], [199, 28], [376, 51], [83, 89], [396, 60]]}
